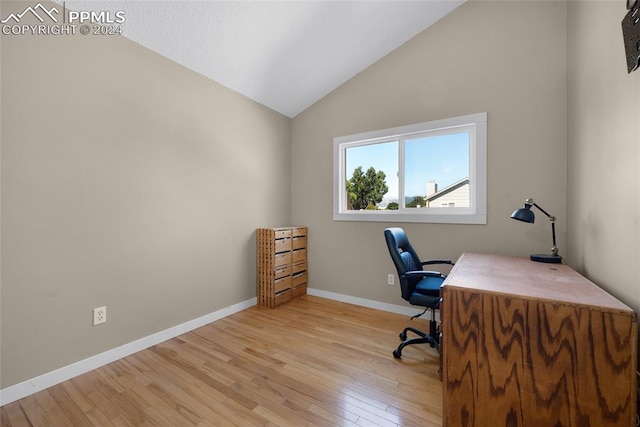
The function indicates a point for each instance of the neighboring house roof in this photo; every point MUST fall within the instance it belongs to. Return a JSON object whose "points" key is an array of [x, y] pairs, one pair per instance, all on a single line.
{"points": [[447, 189]]}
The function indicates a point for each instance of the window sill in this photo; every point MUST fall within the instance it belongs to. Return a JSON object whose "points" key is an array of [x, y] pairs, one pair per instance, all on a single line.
{"points": [[430, 218]]}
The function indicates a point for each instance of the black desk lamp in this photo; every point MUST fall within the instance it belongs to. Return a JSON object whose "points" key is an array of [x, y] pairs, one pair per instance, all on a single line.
{"points": [[525, 214]]}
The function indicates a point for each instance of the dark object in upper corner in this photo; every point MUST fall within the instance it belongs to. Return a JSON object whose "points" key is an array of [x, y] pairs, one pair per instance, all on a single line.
{"points": [[631, 35]]}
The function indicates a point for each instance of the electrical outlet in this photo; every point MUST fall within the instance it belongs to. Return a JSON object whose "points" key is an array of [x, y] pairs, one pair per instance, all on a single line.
{"points": [[391, 279], [99, 315]]}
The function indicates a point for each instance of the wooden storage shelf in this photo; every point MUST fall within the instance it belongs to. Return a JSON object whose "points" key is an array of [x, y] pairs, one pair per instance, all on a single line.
{"points": [[282, 264]]}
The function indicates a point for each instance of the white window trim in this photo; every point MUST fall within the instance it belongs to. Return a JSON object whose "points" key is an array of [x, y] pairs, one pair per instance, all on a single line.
{"points": [[476, 214]]}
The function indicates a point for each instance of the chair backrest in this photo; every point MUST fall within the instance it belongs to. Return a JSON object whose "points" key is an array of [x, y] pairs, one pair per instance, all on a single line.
{"points": [[404, 258]]}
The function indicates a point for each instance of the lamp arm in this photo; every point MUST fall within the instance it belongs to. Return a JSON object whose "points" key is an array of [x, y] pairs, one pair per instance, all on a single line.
{"points": [[551, 217], [554, 249]]}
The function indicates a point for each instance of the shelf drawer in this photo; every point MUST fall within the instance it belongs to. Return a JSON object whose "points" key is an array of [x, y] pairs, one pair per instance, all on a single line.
{"points": [[283, 245], [282, 259], [299, 231], [299, 242], [282, 283], [299, 278], [282, 272], [299, 290], [282, 233], [298, 268], [282, 297], [299, 255]]}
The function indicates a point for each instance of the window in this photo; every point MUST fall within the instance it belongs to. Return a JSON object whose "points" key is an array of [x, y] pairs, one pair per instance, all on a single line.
{"points": [[428, 172]]}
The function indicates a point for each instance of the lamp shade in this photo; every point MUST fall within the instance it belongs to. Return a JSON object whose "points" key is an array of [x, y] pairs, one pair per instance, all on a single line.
{"points": [[524, 214]]}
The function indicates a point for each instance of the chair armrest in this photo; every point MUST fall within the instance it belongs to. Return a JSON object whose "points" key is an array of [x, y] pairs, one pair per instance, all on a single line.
{"points": [[422, 273], [437, 261]]}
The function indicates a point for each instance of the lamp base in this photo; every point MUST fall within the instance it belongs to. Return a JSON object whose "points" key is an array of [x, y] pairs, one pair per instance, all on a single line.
{"points": [[548, 258]]}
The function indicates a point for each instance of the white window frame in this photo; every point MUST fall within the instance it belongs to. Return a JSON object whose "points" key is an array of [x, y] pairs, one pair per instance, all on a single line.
{"points": [[476, 213]]}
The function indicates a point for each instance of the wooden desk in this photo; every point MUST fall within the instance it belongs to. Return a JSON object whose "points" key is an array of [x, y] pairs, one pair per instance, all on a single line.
{"points": [[533, 344]]}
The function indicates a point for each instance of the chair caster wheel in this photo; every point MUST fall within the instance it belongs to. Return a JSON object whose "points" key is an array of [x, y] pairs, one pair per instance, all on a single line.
{"points": [[397, 354]]}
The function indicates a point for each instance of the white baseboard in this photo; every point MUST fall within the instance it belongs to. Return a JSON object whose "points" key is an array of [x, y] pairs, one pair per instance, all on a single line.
{"points": [[41, 382], [393, 308], [383, 306]]}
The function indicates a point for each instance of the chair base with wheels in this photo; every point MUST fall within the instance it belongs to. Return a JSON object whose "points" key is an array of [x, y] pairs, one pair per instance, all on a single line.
{"points": [[432, 338]]}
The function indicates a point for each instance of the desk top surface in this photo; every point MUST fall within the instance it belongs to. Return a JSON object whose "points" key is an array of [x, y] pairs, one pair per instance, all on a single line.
{"points": [[524, 278]]}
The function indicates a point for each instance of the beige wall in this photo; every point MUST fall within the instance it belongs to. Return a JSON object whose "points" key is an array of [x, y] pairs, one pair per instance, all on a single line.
{"points": [[505, 58], [603, 190], [127, 181]]}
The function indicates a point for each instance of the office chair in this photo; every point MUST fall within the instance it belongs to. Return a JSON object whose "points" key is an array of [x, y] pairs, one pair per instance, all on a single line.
{"points": [[419, 287]]}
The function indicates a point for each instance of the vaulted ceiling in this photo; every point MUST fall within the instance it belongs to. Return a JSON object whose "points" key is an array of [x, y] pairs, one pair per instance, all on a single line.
{"points": [[283, 54]]}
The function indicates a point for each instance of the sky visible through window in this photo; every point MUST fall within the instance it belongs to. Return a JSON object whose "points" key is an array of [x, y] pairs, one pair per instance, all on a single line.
{"points": [[443, 159]]}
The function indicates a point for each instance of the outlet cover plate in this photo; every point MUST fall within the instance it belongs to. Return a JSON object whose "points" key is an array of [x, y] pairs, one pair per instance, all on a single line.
{"points": [[99, 315]]}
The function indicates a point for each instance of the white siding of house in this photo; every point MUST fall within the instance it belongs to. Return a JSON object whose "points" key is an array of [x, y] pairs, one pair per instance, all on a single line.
{"points": [[459, 196]]}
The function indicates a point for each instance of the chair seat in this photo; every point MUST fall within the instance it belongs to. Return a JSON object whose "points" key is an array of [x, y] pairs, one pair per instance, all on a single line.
{"points": [[429, 286], [427, 292]]}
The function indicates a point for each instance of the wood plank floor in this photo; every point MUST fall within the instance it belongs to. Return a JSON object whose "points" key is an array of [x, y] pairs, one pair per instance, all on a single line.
{"points": [[312, 362]]}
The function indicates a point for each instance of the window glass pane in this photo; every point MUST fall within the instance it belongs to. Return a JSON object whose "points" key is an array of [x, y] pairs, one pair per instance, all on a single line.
{"points": [[437, 171], [372, 176]]}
